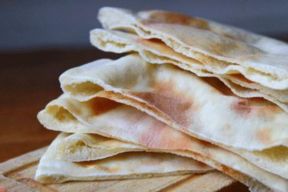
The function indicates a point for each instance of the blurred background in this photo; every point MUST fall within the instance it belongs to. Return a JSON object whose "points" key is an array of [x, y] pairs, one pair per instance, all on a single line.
{"points": [[39, 39], [35, 24]]}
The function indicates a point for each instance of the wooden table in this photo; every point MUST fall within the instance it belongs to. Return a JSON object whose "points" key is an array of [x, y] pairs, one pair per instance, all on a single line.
{"points": [[29, 80]]}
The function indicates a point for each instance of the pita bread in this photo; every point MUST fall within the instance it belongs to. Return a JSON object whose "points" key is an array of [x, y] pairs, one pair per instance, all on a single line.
{"points": [[158, 53], [248, 57], [244, 65], [139, 128], [182, 101], [134, 126], [126, 82], [124, 165]]}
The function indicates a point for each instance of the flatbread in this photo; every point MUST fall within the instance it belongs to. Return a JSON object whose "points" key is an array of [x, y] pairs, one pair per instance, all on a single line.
{"points": [[91, 147], [256, 63], [146, 131], [122, 166], [183, 101], [135, 126], [139, 128], [158, 53], [128, 82]]}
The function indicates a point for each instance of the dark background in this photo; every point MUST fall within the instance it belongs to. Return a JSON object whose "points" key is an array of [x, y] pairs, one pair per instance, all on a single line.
{"points": [[40, 39], [66, 23]]}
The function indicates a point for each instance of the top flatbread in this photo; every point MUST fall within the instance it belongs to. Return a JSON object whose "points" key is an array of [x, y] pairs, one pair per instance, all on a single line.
{"points": [[245, 53], [158, 53]]}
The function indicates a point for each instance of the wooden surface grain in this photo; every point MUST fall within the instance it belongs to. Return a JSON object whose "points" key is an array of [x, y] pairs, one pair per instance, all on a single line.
{"points": [[29, 80]]}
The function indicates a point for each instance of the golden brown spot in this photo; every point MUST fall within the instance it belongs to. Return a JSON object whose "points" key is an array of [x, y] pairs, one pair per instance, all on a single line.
{"points": [[176, 18], [224, 47], [264, 135], [102, 105], [159, 135], [173, 107]]}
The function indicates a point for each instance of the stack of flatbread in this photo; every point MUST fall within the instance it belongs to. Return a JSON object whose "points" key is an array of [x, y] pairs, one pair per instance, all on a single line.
{"points": [[189, 92]]}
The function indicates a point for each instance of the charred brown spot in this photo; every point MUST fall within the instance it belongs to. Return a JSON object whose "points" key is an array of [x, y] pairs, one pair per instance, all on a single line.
{"points": [[176, 18], [102, 105]]}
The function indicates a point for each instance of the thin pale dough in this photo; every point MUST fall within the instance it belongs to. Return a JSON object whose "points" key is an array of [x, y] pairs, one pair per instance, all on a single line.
{"points": [[138, 128], [208, 45], [159, 53], [126, 82], [68, 115], [183, 101], [90, 147], [125, 165]]}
